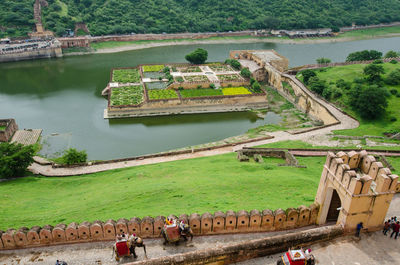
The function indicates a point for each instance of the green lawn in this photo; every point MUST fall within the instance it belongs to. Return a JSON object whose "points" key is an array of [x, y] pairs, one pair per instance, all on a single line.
{"points": [[300, 144], [367, 127], [187, 186], [3, 128]]}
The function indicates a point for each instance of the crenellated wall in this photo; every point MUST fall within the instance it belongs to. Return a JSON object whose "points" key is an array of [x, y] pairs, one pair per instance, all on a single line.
{"points": [[149, 227], [364, 187]]}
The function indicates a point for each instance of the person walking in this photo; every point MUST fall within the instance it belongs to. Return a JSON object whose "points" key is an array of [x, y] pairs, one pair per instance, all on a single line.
{"points": [[386, 227], [358, 229], [396, 228]]}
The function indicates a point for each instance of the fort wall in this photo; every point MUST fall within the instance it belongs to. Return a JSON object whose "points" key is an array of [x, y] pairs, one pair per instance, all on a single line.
{"points": [[229, 222], [30, 55]]}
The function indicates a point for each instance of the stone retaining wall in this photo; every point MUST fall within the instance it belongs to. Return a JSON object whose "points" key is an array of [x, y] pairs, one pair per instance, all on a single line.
{"points": [[28, 55], [149, 227], [250, 249], [11, 128]]}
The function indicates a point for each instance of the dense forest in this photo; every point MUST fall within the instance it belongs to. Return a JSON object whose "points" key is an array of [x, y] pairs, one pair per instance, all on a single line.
{"points": [[158, 16]]}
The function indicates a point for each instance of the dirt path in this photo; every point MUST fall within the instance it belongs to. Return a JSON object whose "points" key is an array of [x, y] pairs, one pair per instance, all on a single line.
{"points": [[372, 249]]}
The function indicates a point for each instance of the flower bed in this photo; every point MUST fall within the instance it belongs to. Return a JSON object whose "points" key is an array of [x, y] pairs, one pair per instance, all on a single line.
{"points": [[126, 76], [220, 68], [154, 75], [229, 77], [229, 91], [162, 94], [196, 78], [190, 69], [129, 95], [193, 93], [153, 68]]}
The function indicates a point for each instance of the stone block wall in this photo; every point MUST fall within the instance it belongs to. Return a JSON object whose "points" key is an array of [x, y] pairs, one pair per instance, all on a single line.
{"points": [[149, 227], [10, 128]]}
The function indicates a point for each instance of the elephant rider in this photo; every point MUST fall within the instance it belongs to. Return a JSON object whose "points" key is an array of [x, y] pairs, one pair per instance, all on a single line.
{"points": [[182, 225]]}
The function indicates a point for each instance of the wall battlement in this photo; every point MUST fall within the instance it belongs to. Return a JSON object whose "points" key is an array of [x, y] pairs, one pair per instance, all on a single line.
{"points": [[358, 186], [149, 227]]}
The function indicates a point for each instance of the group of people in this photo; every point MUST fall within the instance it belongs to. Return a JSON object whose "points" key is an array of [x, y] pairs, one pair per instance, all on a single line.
{"points": [[169, 222], [392, 225]]}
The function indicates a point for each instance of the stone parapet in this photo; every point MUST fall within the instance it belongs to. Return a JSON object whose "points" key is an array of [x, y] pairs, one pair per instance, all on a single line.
{"points": [[148, 227]]}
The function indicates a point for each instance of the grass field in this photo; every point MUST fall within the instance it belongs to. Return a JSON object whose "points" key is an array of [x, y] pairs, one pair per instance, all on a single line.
{"points": [[367, 127], [301, 144], [186, 186]]}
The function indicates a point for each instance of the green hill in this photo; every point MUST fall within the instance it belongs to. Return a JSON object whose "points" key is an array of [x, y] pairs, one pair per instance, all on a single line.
{"points": [[127, 16]]}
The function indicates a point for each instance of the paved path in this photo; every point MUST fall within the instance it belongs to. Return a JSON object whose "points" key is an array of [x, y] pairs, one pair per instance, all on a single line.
{"points": [[346, 122], [372, 249], [26, 137]]}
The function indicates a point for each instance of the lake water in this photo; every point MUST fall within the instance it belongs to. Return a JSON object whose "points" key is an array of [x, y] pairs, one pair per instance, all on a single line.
{"points": [[64, 96]]}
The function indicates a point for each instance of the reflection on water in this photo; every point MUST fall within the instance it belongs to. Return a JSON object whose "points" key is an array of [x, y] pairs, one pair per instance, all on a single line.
{"points": [[64, 96]]}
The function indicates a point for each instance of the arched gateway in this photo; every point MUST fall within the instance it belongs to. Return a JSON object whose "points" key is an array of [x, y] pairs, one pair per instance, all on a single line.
{"points": [[354, 188]]}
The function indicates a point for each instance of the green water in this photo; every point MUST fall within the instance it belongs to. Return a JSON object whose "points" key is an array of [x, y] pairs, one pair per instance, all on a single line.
{"points": [[64, 96]]}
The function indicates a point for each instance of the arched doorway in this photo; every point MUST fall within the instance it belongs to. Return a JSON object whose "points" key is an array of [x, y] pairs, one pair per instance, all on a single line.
{"points": [[334, 208]]}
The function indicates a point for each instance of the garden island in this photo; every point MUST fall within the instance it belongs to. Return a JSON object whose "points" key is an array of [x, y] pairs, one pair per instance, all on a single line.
{"points": [[163, 89]]}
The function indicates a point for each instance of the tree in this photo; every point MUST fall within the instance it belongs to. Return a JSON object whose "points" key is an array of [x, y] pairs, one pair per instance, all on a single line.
{"points": [[317, 85], [234, 63], [199, 56], [393, 78], [323, 60], [335, 29], [15, 159], [373, 72], [364, 55], [370, 102], [73, 156], [245, 72], [307, 74], [391, 54]]}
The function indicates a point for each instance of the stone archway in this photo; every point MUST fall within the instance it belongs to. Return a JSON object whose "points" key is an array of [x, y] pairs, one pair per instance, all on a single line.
{"points": [[331, 207], [334, 208]]}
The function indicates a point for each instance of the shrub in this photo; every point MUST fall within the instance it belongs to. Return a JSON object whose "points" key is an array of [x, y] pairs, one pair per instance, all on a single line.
{"points": [[307, 74], [166, 69], [327, 92], [15, 159], [212, 86], [73, 156], [317, 85], [393, 92], [245, 72], [343, 84], [199, 87], [393, 78], [336, 92], [373, 72], [378, 61], [323, 60], [394, 62], [391, 54], [393, 119], [234, 63], [256, 86]]}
